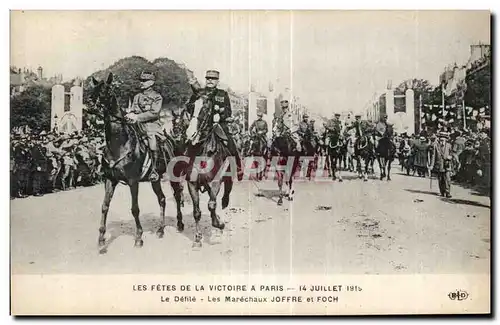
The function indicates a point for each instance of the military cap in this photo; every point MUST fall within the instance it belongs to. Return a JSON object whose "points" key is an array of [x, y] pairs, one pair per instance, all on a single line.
{"points": [[213, 74], [312, 121], [43, 133], [284, 101], [383, 115], [260, 114], [147, 75], [337, 114], [357, 115], [422, 138], [305, 115]]}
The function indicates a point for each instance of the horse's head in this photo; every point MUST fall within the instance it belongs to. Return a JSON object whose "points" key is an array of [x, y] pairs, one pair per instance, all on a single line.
{"points": [[103, 96]]}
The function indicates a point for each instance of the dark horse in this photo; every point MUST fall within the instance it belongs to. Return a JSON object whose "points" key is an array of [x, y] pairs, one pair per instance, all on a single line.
{"points": [[364, 149], [125, 159], [310, 148], [334, 145], [283, 147], [211, 145], [258, 148], [386, 152]]}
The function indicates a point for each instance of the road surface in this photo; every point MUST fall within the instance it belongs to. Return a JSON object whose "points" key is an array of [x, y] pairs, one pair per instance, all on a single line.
{"points": [[354, 227]]}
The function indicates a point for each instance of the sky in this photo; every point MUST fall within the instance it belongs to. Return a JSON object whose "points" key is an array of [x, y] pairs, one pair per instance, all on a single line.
{"points": [[331, 60]]}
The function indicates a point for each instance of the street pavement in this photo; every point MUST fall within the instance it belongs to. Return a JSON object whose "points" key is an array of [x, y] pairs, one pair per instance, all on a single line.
{"points": [[355, 227]]}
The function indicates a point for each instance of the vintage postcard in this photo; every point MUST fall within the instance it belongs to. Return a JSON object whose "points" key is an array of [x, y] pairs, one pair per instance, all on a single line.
{"points": [[250, 162]]}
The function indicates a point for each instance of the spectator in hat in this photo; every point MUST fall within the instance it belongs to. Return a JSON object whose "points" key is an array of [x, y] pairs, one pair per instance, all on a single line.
{"points": [[441, 163], [420, 156]]}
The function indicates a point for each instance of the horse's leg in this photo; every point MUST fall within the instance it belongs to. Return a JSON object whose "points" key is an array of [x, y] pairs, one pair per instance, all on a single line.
{"points": [[333, 164], [359, 166], [228, 186], [381, 166], [340, 172], [178, 195], [109, 190], [213, 191], [161, 201], [389, 169], [195, 197], [367, 165], [280, 177], [134, 191], [328, 163], [291, 191]]}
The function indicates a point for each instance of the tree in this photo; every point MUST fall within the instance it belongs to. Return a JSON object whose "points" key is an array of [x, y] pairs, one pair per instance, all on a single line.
{"points": [[171, 79], [32, 108]]}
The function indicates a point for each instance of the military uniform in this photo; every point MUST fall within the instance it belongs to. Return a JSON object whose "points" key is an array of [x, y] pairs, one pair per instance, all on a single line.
{"points": [[147, 106], [216, 109], [145, 110]]}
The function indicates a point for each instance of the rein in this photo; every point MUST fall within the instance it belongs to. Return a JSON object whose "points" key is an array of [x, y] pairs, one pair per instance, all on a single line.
{"points": [[120, 119]]}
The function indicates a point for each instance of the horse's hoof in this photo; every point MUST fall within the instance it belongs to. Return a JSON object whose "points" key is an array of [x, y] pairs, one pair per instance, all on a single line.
{"points": [[180, 227], [139, 243], [341, 180], [366, 180], [290, 198], [388, 178], [280, 202], [197, 244], [160, 233], [219, 226], [102, 242]]}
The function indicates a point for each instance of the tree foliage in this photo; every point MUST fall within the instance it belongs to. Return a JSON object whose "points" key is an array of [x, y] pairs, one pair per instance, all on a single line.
{"points": [[171, 79], [32, 108]]}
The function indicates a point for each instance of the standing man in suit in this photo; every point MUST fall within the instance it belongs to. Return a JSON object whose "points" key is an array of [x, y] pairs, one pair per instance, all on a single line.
{"points": [[440, 162]]}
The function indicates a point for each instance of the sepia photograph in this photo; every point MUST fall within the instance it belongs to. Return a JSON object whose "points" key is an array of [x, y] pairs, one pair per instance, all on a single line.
{"points": [[237, 162]]}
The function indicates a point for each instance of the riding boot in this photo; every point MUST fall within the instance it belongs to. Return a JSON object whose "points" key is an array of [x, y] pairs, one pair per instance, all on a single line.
{"points": [[153, 177]]}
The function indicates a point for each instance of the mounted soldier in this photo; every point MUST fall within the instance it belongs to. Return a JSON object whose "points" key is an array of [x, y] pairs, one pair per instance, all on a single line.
{"points": [[258, 131], [283, 125], [216, 110], [382, 129], [145, 111]]}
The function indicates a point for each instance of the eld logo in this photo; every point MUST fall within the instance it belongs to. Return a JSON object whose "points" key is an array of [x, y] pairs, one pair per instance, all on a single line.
{"points": [[458, 295]]}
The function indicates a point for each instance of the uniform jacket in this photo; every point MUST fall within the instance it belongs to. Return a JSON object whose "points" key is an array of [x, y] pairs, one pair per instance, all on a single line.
{"points": [[147, 106], [334, 125], [215, 101], [260, 126]]}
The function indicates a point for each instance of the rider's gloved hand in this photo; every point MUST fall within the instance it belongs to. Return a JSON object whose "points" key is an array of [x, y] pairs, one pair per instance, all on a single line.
{"points": [[131, 117]]}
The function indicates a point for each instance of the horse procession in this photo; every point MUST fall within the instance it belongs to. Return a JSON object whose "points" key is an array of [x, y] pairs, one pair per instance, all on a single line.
{"points": [[203, 151]]}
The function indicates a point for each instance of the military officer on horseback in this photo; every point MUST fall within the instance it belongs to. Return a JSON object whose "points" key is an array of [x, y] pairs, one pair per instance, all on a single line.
{"points": [[217, 105], [304, 126], [259, 128], [145, 110], [382, 129], [283, 123], [335, 124]]}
